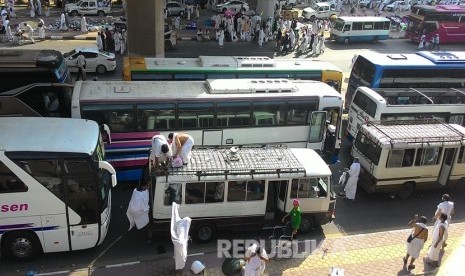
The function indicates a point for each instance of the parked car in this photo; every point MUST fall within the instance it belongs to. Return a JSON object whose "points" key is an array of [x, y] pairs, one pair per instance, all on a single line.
{"points": [[320, 11], [96, 61], [332, 3], [174, 8], [233, 5], [398, 6]]}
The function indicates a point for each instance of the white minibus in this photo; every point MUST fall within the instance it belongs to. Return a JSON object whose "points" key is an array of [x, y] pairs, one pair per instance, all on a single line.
{"points": [[55, 187], [403, 157], [349, 29], [247, 188]]}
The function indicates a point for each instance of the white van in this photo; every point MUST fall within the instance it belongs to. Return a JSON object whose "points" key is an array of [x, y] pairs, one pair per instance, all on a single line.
{"points": [[349, 29]]}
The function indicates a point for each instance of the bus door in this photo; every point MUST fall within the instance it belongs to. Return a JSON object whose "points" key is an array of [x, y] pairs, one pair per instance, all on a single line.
{"points": [[82, 203], [273, 196], [447, 164], [282, 195], [212, 137], [316, 133]]}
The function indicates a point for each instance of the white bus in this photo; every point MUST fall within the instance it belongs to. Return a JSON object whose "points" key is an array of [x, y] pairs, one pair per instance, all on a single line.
{"points": [[55, 187], [349, 29], [248, 188], [389, 104], [401, 158]]}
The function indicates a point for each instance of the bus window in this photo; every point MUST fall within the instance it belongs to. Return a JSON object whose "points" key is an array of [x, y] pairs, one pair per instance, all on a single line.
{"points": [[456, 119], [173, 193], [427, 156], [365, 103], [364, 69], [180, 76], [195, 115], [268, 113], [233, 114], [461, 158], [368, 148], [251, 76], [367, 26], [214, 192], [120, 118], [317, 127], [395, 159], [347, 27], [220, 76], [305, 188], [46, 172], [48, 101], [255, 190], [237, 190], [297, 112], [195, 192], [156, 117], [379, 25], [9, 182]]}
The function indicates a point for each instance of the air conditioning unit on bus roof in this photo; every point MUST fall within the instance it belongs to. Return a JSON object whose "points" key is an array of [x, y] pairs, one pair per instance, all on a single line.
{"points": [[223, 86]]}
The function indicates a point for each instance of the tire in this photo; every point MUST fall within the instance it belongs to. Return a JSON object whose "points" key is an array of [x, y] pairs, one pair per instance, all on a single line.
{"points": [[346, 40], [205, 232], [22, 246], [101, 13], [307, 225], [74, 13], [181, 14], [375, 40], [312, 18], [406, 190], [101, 69]]}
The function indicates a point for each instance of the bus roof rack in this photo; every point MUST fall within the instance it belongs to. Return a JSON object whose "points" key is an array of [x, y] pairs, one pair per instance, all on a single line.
{"points": [[223, 86], [236, 161], [414, 132], [442, 56]]}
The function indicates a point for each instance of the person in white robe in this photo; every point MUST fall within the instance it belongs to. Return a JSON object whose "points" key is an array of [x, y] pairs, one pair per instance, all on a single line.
{"points": [[84, 25], [221, 38], [99, 42], [256, 258], [439, 232], [446, 207], [117, 39], [321, 44], [261, 37], [292, 38], [138, 208], [32, 11], [179, 236], [422, 43], [63, 26], [351, 186], [197, 11], [419, 234], [304, 44], [39, 8], [9, 34], [177, 23], [41, 29]]}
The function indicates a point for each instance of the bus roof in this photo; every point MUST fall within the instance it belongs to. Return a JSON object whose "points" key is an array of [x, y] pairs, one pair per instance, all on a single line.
{"points": [[29, 58], [37, 134], [363, 18], [230, 62], [388, 135], [249, 163], [416, 96], [422, 59], [220, 88]]}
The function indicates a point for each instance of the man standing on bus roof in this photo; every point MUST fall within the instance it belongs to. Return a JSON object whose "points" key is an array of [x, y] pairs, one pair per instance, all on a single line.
{"points": [[160, 150], [81, 64], [181, 144], [296, 216], [351, 186]]}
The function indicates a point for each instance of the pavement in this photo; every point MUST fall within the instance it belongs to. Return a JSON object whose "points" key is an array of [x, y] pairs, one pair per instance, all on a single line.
{"points": [[374, 254], [182, 34]]}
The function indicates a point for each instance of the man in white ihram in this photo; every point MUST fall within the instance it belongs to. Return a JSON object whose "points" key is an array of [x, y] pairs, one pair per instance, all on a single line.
{"points": [[179, 236], [181, 144], [160, 150], [351, 186]]}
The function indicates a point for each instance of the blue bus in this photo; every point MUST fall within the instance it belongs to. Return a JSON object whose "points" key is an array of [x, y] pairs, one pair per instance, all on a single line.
{"points": [[423, 69], [20, 67]]}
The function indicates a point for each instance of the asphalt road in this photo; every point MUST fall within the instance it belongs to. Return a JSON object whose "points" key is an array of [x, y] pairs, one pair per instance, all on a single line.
{"points": [[369, 213]]}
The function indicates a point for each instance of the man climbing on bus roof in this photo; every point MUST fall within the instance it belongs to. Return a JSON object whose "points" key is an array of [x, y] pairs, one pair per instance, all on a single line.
{"points": [[160, 150], [181, 145], [296, 216]]}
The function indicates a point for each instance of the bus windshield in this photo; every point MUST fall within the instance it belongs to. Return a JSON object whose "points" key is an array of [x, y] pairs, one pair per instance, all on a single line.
{"points": [[339, 24]]}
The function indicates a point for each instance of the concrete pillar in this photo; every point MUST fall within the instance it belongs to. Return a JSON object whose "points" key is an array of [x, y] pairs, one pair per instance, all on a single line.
{"points": [[145, 28], [265, 8]]}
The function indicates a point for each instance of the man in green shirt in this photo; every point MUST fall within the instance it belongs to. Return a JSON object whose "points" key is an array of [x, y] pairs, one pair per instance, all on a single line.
{"points": [[295, 215]]}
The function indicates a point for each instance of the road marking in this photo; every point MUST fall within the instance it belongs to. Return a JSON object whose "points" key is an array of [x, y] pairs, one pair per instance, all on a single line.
{"points": [[55, 273], [196, 254], [122, 264]]}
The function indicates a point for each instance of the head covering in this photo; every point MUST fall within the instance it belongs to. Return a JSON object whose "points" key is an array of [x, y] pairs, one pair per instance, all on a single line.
{"points": [[296, 202]]}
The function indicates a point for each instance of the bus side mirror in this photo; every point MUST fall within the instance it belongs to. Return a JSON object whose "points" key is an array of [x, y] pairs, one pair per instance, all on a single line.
{"points": [[106, 166], [105, 130]]}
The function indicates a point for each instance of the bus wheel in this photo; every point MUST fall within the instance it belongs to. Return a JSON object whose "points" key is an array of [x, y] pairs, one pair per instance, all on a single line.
{"points": [[375, 40], [307, 225], [205, 232], [346, 40], [406, 190], [22, 246]]}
